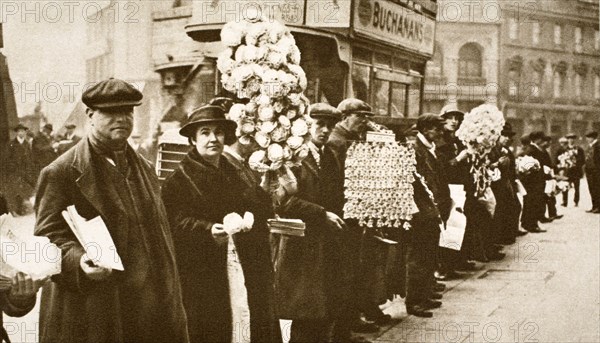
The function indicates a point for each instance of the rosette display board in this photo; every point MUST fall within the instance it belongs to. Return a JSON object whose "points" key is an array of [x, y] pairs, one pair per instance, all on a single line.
{"points": [[261, 64], [479, 132], [378, 185]]}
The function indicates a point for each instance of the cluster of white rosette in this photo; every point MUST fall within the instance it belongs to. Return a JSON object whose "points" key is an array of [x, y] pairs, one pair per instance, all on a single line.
{"points": [[527, 164], [479, 132], [261, 64], [567, 159]]}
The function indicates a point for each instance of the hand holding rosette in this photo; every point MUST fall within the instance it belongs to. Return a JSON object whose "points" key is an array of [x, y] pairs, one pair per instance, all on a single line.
{"points": [[526, 165]]}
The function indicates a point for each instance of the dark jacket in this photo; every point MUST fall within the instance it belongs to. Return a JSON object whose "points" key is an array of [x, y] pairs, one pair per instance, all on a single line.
{"points": [[20, 170], [576, 171], [432, 171], [592, 159], [42, 151], [447, 150], [197, 196], [535, 181], [310, 275], [77, 309]]}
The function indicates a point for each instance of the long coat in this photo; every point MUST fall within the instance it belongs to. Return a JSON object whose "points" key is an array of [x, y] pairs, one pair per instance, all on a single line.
{"points": [[77, 309], [20, 176], [310, 274], [197, 196], [431, 168], [42, 151]]}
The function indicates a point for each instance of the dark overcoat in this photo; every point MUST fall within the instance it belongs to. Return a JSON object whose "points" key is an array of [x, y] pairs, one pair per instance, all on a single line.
{"points": [[197, 196], [311, 278], [20, 176], [431, 168], [42, 151], [73, 307]]}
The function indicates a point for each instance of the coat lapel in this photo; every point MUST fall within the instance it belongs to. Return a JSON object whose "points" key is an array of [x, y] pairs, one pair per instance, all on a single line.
{"points": [[89, 185]]}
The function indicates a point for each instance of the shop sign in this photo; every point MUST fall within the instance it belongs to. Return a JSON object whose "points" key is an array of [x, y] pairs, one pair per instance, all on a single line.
{"points": [[395, 24], [222, 11]]}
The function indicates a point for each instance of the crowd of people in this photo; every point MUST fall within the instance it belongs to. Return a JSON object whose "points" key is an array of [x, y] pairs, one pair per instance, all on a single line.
{"points": [[200, 263]]}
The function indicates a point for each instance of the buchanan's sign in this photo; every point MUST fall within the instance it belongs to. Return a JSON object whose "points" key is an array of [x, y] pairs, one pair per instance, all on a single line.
{"points": [[388, 21]]}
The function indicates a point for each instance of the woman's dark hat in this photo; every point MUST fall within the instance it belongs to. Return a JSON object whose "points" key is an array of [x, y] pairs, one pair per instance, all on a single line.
{"points": [[571, 135], [206, 115], [592, 134]]}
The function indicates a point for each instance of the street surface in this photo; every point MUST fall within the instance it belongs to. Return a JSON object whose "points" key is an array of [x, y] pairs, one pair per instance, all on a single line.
{"points": [[545, 290]]}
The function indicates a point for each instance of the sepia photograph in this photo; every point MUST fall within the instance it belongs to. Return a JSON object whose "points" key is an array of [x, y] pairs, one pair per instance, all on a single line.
{"points": [[299, 171]]}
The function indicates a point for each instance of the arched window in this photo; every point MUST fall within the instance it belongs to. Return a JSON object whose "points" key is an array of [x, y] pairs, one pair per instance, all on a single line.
{"points": [[469, 58]]}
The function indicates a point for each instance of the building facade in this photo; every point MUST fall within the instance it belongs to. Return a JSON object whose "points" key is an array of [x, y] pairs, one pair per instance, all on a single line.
{"points": [[538, 61], [550, 62]]}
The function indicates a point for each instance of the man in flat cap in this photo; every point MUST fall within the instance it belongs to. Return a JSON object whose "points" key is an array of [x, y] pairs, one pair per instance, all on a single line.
{"points": [[592, 170], [534, 203], [352, 127], [20, 172], [42, 149], [102, 176], [313, 281], [574, 171], [425, 233]]}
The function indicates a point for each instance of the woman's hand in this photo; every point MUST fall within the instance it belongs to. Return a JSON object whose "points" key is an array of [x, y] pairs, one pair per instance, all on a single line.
{"points": [[23, 288], [219, 235]]}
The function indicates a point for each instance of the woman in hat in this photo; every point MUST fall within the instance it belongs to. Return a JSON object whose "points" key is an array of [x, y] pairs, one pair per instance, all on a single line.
{"points": [[226, 275]]}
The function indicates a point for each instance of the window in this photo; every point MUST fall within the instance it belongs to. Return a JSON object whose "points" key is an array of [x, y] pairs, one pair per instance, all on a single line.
{"points": [[597, 87], [558, 84], [578, 40], [383, 80], [513, 83], [513, 29], [597, 40], [469, 61], [578, 85], [535, 33], [557, 34], [536, 87]]}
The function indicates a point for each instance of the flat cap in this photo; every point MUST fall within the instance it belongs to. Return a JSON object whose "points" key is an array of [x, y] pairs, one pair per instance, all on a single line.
{"points": [[20, 127], [353, 105], [111, 93], [428, 120], [592, 134], [323, 110], [451, 109], [70, 126], [535, 135], [562, 140], [48, 127], [571, 135]]}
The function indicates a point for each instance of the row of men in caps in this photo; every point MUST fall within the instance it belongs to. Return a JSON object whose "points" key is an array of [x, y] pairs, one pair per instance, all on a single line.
{"points": [[24, 158]]}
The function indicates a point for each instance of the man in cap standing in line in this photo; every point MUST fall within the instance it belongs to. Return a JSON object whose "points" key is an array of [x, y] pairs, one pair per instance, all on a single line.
{"points": [[102, 176], [534, 203], [592, 170], [425, 233], [68, 140], [352, 127]]}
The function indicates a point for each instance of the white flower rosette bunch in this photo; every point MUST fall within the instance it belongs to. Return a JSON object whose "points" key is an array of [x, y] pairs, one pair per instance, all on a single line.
{"points": [[527, 164], [261, 64], [479, 132], [567, 159]]}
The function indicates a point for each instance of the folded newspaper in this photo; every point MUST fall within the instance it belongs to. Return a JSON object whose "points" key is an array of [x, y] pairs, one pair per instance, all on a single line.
{"points": [[94, 237], [26, 253], [290, 227]]}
